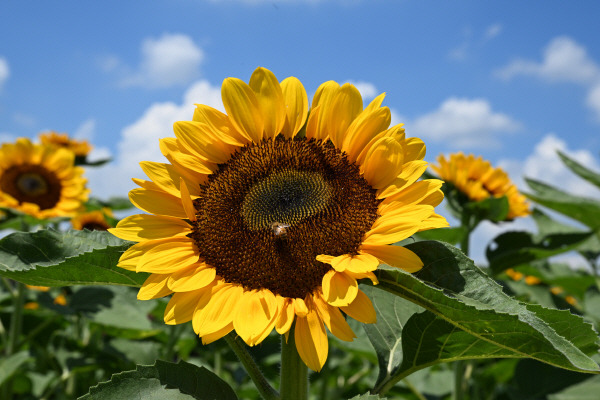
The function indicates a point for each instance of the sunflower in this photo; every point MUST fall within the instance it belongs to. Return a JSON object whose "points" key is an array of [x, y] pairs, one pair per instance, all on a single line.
{"points": [[478, 180], [40, 180], [93, 221], [265, 218], [81, 148]]}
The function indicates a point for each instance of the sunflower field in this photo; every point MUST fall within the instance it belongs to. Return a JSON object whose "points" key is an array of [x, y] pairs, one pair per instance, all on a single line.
{"points": [[292, 248]]}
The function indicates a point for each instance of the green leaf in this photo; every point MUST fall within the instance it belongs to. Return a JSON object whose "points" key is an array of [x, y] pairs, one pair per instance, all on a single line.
{"points": [[585, 173], [494, 209], [586, 390], [584, 210], [9, 365], [534, 380], [452, 235], [511, 249], [469, 316], [163, 381], [51, 258]]}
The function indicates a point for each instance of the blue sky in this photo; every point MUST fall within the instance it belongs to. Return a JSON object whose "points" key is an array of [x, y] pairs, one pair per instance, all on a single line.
{"points": [[512, 81]]}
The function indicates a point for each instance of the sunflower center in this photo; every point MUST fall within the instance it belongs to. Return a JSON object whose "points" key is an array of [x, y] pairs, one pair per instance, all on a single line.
{"points": [[285, 197], [264, 216], [31, 184]]}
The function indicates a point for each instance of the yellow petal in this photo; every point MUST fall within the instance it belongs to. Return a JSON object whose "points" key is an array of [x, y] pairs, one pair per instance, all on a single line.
{"points": [[414, 149], [300, 308], [219, 122], [219, 311], [218, 334], [324, 98], [339, 289], [194, 277], [396, 256], [363, 129], [311, 341], [355, 263], [131, 257], [169, 147], [286, 315], [383, 162], [413, 194], [186, 201], [142, 227], [411, 171], [256, 316], [181, 307], [312, 125], [270, 99], [157, 202], [163, 175], [395, 132], [296, 106], [243, 108], [154, 286], [345, 106], [361, 309], [202, 141], [334, 320], [433, 222], [169, 257]]}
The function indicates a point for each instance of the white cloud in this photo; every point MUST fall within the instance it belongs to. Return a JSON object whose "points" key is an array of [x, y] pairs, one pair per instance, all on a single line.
{"points": [[545, 165], [492, 31], [4, 71], [86, 130], [171, 60], [593, 100], [464, 123], [139, 141], [564, 61]]}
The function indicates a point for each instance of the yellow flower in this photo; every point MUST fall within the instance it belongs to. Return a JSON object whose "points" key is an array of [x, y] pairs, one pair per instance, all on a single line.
{"points": [[532, 280], [81, 148], [265, 216], [478, 180], [40, 180], [514, 275], [93, 221]]}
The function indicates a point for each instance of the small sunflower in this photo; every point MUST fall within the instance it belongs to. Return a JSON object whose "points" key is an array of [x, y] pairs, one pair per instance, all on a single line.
{"points": [[94, 221], [40, 180], [265, 218], [478, 180], [81, 148]]}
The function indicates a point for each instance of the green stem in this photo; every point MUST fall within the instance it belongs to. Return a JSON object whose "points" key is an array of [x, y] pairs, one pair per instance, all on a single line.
{"points": [[240, 350], [294, 373], [14, 331]]}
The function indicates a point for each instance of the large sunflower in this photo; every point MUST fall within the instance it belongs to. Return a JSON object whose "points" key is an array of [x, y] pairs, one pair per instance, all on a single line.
{"points": [[478, 180], [40, 180], [266, 216]]}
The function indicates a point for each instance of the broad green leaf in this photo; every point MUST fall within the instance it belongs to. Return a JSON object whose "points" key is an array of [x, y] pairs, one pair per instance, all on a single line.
{"points": [[9, 365], [494, 209], [163, 381], [586, 390], [534, 380], [368, 397], [585, 173], [452, 235], [51, 258], [584, 210], [386, 334], [469, 316], [511, 249]]}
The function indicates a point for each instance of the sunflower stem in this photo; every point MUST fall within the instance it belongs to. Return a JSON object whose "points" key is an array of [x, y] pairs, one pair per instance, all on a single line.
{"points": [[240, 350], [294, 373]]}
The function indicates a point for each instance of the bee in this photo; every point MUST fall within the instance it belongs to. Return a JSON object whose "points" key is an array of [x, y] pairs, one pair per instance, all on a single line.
{"points": [[280, 230]]}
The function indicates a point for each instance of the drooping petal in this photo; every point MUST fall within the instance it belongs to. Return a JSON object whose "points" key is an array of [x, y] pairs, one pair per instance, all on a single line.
{"points": [[243, 108], [333, 319], [286, 315], [338, 288], [270, 99], [396, 256], [195, 277], [311, 341], [296, 106], [181, 307], [361, 309], [220, 310], [256, 316]]}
